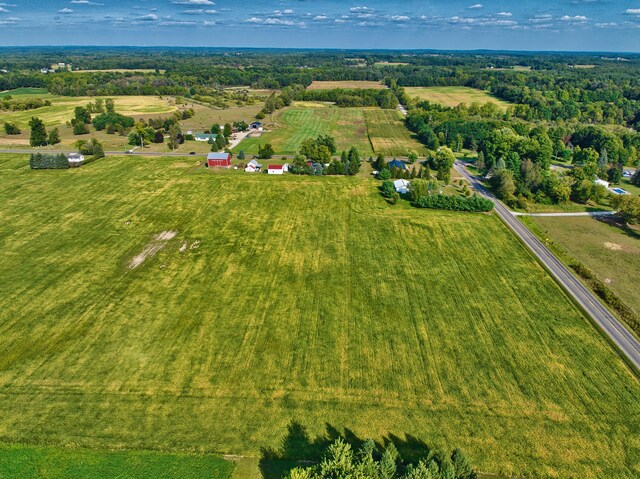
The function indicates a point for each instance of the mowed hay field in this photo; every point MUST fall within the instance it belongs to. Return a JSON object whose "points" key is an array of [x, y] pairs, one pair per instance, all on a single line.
{"points": [[347, 85], [293, 298], [61, 109], [291, 126], [454, 95], [388, 134], [609, 252]]}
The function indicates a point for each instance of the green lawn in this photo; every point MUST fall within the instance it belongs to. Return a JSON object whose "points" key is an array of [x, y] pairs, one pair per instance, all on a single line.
{"points": [[290, 298], [26, 462], [454, 95], [291, 126], [612, 253]]}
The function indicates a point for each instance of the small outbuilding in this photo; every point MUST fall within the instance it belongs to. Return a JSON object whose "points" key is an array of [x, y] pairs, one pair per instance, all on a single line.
{"points": [[253, 166], [602, 183], [275, 169], [401, 186], [219, 159], [75, 159], [256, 125]]}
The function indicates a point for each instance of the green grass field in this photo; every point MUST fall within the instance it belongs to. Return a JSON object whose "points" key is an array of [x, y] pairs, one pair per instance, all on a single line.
{"points": [[290, 298], [62, 108], [38, 92], [53, 463], [362, 127], [611, 253], [291, 126], [388, 135], [453, 95]]}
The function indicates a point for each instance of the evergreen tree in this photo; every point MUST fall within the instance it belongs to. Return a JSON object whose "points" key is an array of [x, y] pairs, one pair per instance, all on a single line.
{"points": [[480, 161], [54, 137], [227, 130], [38, 132], [241, 155], [11, 129]]}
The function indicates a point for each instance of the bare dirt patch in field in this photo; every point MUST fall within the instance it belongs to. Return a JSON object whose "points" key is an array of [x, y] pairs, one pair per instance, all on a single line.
{"points": [[150, 250], [612, 246]]}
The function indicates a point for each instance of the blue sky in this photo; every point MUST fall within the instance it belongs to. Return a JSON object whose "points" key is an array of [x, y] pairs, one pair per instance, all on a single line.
{"points": [[593, 25]]}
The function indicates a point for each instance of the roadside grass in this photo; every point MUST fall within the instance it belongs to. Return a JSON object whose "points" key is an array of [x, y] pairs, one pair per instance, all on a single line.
{"points": [[389, 135], [347, 84], [291, 126], [454, 95], [293, 298], [610, 252], [27, 462]]}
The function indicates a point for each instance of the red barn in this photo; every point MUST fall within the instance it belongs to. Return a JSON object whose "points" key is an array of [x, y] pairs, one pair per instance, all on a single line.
{"points": [[219, 159]]}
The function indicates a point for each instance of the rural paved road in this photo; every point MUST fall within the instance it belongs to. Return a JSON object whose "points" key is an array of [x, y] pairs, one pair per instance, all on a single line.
{"points": [[577, 213], [626, 342]]}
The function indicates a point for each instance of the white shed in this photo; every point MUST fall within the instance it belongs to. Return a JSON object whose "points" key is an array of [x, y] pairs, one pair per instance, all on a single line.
{"points": [[401, 186], [275, 169], [75, 158], [602, 183]]}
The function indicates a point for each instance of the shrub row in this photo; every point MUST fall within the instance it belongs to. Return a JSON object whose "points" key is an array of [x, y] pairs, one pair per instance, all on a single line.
{"points": [[40, 161], [454, 203], [598, 287]]}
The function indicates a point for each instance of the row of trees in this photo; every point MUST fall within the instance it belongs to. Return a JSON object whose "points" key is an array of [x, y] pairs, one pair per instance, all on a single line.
{"points": [[367, 463], [22, 104]]}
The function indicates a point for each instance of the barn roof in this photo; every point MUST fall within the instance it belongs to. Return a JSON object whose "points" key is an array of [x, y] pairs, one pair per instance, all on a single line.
{"points": [[218, 156], [276, 167]]}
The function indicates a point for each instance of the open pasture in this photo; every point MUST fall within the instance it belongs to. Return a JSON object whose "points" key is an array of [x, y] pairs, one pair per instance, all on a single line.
{"points": [[346, 84], [453, 95], [61, 109], [287, 298]]}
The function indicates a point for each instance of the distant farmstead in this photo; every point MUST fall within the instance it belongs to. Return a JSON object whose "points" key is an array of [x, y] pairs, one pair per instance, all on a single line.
{"points": [[219, 159]]}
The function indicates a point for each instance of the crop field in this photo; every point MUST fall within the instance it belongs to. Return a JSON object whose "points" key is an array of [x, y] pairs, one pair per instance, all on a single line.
{"points": [[611, 253], [156, 305], [291, 126], [453, 95], [389, 135], [347, 84], [55, 463], [61, 109]]}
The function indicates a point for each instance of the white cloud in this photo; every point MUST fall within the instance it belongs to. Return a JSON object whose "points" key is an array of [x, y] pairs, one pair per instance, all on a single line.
{"points": [[632, 11], [208, 23], [476, 6], [505, 14], [273, 21], [4, 10], [84, 2], [193, 2], [400, 18], [200, 11], [360, 9], [65, 11], [320, 17], [152, 17], [575, 18]]}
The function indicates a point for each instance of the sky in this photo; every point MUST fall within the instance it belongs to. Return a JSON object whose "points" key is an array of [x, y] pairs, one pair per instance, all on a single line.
{"points": [[563, 25]]}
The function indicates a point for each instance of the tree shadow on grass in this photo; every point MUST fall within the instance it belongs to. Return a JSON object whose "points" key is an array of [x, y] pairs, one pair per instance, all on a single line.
{"points": [[299, 449], [616, 222]]}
